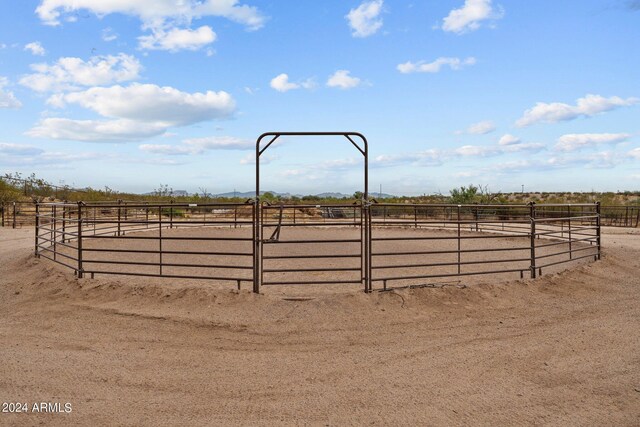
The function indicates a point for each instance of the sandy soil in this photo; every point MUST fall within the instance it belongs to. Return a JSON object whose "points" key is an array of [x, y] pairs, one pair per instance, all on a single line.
{"points": [[560, 350]]}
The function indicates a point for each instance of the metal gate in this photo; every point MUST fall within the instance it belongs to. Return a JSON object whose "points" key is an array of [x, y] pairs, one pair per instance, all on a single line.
{"points": [[283, 239], [295, 252]]}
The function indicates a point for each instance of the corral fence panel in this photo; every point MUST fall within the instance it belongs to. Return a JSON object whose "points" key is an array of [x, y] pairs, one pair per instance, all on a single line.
{"points": [[469, 240], [17, 214], [376, 245], [194, 241]]}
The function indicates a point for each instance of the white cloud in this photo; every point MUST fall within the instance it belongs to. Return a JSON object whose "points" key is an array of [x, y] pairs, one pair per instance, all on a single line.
{"points": [[281, 83], [435, 66], [153, 104], [199, 145], [265, 159], [176, 39], [109, 35], [136, 112], [481, 128], [168, 20], [602, 160], [70, 73], [18, 149], [220, 143], [430, 157], [364, 20], [470, 16], [522, 146], [7, 98], [95, 130], [476, 150], [508, 139], [506, 144], [24, 155], [35, 48], [167, 149], [576, 141], [341, 79], [154, 13], [588, 106], [635, 153]]}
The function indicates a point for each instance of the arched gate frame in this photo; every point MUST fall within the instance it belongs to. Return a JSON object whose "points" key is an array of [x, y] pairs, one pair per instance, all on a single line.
{"points": [[365, 207]]}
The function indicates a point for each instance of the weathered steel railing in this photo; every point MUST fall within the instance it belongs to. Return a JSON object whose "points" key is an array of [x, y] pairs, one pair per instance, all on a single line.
{"points": [[385, 245]]}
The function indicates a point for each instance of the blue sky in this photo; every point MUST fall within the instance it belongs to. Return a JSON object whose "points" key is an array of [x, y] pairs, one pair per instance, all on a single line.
{"points": [[136, 94]]}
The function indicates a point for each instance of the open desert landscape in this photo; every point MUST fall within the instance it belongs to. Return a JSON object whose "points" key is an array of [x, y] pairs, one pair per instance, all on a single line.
{"points": [[319, 213], [558, 350]]}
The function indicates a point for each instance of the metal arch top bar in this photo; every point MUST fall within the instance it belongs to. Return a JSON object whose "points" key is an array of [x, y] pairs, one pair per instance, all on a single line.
{"points": [[347, 135], [366, 224]]}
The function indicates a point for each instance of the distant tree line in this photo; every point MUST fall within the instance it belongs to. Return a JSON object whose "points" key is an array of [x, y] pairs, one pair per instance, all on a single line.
{"points": [[16, 187]]}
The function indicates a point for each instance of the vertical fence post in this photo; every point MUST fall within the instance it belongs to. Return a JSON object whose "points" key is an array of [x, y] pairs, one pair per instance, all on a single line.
{"points": [[37, 227], [80, 268], [1, 214], [475, 215], [51, 222], [598, 227], [569, 231], [532, 218], [257, 244], [119, 215], [14, 215], [160, 236], [171, 214], [458, 239], [64, 221], [368, 245], [626, 217], [54, 234], [363, 273]]}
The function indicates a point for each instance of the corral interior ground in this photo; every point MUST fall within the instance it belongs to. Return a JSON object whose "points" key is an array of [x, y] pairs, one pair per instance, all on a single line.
{"points": [[502, 253], [560, 350]]}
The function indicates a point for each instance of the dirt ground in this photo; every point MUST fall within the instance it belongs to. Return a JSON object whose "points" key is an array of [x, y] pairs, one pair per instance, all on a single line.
{"points": [[560, 350]]}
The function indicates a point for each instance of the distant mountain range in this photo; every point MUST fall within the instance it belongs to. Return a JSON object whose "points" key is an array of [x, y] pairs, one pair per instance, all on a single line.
{"points": [[250, 194]]}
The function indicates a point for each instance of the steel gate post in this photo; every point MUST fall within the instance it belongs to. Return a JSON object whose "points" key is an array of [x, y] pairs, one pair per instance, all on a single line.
{"points": [[532, 218], [37, 227], [569, 231], [54, 231], [256, 249], [598, 227], [458, 239], [80, 268]]}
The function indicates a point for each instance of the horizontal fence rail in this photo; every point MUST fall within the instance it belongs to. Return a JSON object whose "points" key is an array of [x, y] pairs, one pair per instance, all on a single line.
{"points": [[375, 245], [17, 214], [22, 214], [193, 241]]}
